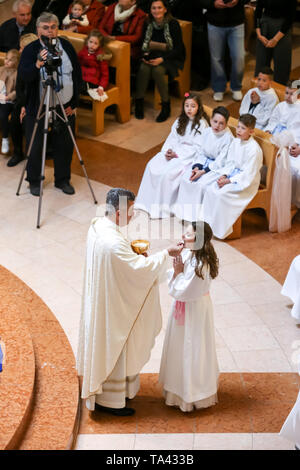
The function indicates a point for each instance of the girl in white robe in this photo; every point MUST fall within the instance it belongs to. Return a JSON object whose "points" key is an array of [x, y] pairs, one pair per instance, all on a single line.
{"points": [[225, 199], [189, 369], [261, 100], [159, 187], [205, 168]]}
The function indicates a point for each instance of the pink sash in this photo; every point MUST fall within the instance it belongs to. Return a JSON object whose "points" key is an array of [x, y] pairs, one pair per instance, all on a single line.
{"points": [[179, 312]]}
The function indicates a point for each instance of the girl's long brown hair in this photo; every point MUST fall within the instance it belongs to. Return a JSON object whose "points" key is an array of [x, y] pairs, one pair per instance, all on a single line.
{"points": [[205, 256], [183, 118]]}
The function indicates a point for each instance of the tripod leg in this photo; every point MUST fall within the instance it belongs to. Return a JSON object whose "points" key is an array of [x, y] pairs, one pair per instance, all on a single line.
{"points": [[46, 124], [38, 117], [76, 147]]}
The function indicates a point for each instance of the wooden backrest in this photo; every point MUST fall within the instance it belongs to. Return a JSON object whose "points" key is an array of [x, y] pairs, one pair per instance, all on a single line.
{"points": [[120, 55], [263, 139], [186, 30], [2, 57]]}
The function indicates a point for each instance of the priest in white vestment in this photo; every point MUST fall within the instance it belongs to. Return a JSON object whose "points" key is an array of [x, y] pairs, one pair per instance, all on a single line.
{"points": [[261, 100], [225, 199], [291, 287], [291, 427], [121, 313]]}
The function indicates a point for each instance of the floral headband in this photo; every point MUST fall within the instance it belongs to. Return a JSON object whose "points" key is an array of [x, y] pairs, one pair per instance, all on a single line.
{"points": [[186, 95]]}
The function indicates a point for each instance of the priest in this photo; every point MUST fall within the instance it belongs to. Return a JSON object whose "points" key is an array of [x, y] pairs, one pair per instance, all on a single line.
{"points": [[120, 309]]}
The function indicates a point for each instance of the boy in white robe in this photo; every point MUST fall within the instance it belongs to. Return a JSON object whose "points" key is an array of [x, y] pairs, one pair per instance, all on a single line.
{"points": [[205, 168], [120, 309], [189, 368], [159, 186], [285, 113], [261, 100], [225, 199]]}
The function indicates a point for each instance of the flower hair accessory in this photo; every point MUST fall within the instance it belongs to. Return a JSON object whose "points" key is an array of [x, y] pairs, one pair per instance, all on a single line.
{"points": [[186, 95]]}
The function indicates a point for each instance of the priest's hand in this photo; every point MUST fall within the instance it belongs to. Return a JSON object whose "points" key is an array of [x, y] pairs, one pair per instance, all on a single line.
{"points": [[175, 250], [178, 265]]}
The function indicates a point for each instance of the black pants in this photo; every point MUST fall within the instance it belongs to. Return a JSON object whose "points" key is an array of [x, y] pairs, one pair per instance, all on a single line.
{"points": [[17, 130], [5, 110], [62, 146], [281, 53]]}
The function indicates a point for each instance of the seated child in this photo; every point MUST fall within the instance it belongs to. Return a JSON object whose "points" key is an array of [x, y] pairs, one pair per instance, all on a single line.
{"points": [[94, 65], [8, 78], [189, 370], [225, 199], [204, 171], [261, 100], [159, 187], [76, 17], [285, 112]]}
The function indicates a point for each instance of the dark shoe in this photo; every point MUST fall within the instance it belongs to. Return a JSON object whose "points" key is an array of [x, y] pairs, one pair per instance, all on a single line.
{"points": [[165, 111], [66, 188], [14, 160], [35, 189], [115, 411], [139, 108]]}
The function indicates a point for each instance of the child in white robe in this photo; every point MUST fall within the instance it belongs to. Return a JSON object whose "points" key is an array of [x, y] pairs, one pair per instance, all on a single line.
{"points": [[189, 369], [216, 141], [225, 199], [285, 113], [159, 187], [261, 100]]}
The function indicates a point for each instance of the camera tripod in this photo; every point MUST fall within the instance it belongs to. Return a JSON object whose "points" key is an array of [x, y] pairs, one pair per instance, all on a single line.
{"points": [[49, 95]]}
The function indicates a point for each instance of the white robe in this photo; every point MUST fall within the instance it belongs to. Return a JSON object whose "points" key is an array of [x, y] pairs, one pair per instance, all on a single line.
{"points": [[291, 427], [213, 154], [295, 170], [263, 110], [283, 116], [291, 287], [223, 206], [189, 369], [159, 187], [120, 309]]}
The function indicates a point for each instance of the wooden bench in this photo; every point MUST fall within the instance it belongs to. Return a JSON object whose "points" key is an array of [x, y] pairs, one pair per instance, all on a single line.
{"points": [[118, 93], [262, 199], [2, 57], [183, 80]]}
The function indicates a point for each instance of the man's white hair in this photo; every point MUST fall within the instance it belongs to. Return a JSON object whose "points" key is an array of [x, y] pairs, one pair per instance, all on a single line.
{"points": [[18, 3], [47, 17]]}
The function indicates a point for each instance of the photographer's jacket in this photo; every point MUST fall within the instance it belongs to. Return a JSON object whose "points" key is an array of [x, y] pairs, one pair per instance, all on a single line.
{"points": [[31, 75]]}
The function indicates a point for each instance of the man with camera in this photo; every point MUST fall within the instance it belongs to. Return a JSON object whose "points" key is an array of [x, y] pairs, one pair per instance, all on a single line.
{"points": [[46, 58]]}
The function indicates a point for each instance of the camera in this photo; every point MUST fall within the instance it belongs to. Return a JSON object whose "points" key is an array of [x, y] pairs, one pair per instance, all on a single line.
{"points": [[53, 60]]}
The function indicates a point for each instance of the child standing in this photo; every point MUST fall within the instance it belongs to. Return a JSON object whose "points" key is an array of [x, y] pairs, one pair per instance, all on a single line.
{"points": [[76, 17], [204, 171], [238, 182], [95, 73], [8, 78], [285, 112], [189, 369], [159, 187], [261, 100]]}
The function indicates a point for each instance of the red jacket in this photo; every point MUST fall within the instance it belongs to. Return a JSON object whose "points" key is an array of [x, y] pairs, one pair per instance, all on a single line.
{"points": [[93, 70], [94, 14], [133, 28]]}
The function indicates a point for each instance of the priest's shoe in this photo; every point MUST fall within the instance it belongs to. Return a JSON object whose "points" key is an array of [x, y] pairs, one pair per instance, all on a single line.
{"points": [[115, 411], [65, 187], [35, 189]]}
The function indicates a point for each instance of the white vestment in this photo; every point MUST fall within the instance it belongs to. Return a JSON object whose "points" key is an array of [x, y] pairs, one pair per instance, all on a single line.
{"points": [[291, 287], [263, 110], [283, 116], [291, 427], [213, 155], [223, 206], [189, 369], [120, 311], [159, 187], [295, 170]]}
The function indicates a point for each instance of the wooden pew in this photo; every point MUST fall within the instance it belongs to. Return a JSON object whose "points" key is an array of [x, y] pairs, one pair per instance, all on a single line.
{"points": [[183, 80], [2, 57], [118, 93], [262, 199]]}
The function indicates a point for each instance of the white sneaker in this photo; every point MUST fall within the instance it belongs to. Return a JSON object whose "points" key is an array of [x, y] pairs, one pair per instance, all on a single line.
{"points": [[218, 96], [5, 146], [237, 95]]}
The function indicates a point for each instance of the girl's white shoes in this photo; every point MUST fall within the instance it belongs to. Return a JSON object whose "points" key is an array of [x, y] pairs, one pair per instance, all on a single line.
{"points": [[5, 146]]}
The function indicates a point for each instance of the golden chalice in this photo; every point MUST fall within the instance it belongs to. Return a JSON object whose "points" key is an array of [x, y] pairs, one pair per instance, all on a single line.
{"points": [[140, 246]]}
